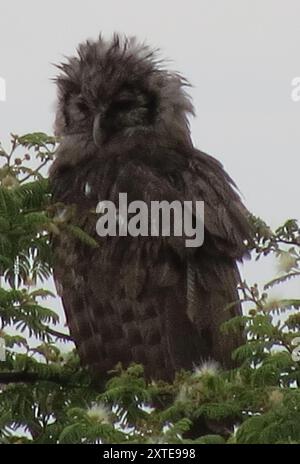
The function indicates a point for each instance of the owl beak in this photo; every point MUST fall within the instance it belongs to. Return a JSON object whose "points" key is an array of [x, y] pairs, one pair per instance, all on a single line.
{"points": [[97, 135]]}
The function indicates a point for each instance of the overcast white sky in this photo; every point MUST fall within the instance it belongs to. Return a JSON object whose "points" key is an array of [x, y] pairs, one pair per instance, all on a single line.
{"points": [[240, 56]]}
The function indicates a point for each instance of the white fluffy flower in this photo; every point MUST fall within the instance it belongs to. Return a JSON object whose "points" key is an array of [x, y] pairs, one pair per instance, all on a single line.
{"points": [[99, 413], [210, 367]]}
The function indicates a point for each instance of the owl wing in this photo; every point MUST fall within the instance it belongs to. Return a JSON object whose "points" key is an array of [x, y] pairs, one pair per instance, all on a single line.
{"points": [[212, 272], [207, 277], [227, 224]]}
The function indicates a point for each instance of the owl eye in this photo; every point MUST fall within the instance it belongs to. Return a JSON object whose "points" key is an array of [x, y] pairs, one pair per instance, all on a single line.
{"points": [[81, 106], [124, 104]]}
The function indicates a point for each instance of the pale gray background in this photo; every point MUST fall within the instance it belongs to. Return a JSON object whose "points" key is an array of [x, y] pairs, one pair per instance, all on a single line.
{"points": [[240, 56]]}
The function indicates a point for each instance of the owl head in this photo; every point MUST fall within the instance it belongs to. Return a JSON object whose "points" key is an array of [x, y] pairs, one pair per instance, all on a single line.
{"points": [[119, 88]]}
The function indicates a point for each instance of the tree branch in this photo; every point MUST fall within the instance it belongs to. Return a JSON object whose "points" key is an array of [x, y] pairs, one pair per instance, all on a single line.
{"points": [[18, 377], [33, 377], [59, 335]]}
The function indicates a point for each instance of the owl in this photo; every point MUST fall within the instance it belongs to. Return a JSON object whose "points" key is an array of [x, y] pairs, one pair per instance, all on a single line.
{"points": [[123, 123]]}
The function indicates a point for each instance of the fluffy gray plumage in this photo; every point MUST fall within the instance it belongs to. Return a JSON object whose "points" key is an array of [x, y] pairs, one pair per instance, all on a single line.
{"points": [[122, 119]]}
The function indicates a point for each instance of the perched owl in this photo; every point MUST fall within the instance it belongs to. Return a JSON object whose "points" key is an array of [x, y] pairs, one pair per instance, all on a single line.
{"points": [[122, 118]]}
